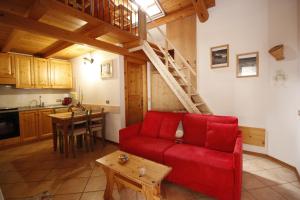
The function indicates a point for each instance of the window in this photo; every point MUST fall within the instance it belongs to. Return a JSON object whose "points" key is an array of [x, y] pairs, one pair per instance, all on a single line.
{"points": [[151, 7]]}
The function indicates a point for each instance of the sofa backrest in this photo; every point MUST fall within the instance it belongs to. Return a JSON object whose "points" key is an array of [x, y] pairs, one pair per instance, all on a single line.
{"points": [[161, 124], [151, 124], [195, 126], [164, 125]]}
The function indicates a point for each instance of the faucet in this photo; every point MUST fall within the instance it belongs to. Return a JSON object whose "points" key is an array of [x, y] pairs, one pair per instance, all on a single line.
{"points": [[41, 103]]}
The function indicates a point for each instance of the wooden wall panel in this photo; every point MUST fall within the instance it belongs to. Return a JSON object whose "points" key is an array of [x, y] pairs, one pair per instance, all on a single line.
{"points": [[182, 34], [253, 136], [162, 98]]}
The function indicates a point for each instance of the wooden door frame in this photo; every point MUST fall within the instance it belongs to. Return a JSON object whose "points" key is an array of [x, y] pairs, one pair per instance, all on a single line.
{"points": [[143, 64]]}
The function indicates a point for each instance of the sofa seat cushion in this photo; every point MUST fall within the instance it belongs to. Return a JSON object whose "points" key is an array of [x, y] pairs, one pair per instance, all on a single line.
{"points": [[147, 147], [194, 165]]}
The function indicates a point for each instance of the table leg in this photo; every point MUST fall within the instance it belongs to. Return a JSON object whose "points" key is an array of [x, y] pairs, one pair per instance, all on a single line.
{"points": [[109, 184], [66, 143], [54, 136], [152, 193]]}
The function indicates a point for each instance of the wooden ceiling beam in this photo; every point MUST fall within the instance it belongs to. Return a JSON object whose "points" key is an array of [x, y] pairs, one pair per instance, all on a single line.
{"points": [[185, 12], [67, 10], [35, 12], [88, 30], [32, 26], [201, 10]]}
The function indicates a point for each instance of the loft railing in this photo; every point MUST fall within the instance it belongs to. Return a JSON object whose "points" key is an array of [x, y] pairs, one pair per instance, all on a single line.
{"points": [[120, 13]]}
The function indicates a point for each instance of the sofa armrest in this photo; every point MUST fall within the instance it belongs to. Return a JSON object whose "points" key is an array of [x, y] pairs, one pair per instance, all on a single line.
{"points": [[129, 132], [238, 165]]}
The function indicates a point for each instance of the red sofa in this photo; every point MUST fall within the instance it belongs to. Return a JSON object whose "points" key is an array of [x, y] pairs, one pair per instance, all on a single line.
{"points": [[209, 158]]}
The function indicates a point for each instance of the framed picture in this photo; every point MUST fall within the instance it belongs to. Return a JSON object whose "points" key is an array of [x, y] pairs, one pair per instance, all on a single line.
{"points": [[247, 65], [107, 69], [219, 56]]}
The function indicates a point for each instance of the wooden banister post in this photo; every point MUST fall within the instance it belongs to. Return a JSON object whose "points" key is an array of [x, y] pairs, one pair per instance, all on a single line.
{"points": [[189, 82], [142, 25]]}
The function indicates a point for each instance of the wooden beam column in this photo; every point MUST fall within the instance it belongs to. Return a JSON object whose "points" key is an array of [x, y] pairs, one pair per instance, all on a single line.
{"points": [[142, 25], [201, 10]]}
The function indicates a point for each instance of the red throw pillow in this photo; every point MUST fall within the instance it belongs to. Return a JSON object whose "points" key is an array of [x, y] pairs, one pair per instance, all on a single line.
{"points": [[221, 137], [169, 125]]}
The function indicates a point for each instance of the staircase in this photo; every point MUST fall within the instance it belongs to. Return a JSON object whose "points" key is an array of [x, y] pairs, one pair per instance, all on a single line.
{"points": [[171, 72]]}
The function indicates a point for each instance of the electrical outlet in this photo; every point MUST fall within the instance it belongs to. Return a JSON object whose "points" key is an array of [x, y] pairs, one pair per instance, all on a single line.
{"points": [[107, 101]]}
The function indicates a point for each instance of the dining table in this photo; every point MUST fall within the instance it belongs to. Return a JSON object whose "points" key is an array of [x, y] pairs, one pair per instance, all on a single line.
{"points": [[64, 120]]}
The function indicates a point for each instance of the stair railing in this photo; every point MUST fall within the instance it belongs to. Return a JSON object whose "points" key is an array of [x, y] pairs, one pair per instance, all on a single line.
{"points": [[169, 59]]}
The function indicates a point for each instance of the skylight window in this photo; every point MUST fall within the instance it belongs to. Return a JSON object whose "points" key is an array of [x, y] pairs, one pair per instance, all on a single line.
{"points": [[151, 7]]}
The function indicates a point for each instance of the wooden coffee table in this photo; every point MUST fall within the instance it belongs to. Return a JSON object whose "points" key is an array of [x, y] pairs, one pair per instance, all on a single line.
{"points": [[127, 175]]}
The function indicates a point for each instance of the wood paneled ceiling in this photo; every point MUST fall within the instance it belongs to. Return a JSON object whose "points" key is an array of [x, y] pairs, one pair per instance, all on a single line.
{"points": [[36, 44], [170, 6]]}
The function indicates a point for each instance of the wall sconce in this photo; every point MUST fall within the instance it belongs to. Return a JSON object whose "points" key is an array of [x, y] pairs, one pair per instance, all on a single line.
{"points": [[88, 60], [280, 76]]}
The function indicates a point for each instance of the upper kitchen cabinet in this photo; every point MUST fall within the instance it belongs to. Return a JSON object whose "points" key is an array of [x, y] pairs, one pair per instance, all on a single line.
{"points": [[32, 72], [7, 69], [24, 71], [61, 74], [41, 70]]}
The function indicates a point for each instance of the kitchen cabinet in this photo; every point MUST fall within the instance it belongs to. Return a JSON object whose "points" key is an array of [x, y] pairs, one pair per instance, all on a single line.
{"points": [[41, 70], [29, 125], [35, 124], [24, 71], [45, 122], [32, 72], [61, 74], [7, 69]]}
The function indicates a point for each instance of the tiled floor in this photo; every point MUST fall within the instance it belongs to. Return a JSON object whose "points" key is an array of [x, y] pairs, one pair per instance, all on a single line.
{"points": [[28, 171]]}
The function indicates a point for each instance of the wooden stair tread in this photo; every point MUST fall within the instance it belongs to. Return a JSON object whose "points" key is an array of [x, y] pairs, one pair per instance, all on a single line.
{"points": [[199, 104]]}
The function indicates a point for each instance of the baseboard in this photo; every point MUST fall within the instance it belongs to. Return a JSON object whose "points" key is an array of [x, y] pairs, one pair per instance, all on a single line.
{"points": [[275, 160]]}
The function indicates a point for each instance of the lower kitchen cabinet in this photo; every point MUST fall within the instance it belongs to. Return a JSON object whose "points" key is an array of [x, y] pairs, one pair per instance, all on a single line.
{"points": [[45, 123], [35, 124], [29, 125]]}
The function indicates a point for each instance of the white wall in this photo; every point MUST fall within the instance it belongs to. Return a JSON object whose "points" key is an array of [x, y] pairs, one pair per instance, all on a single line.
{"points": [[97, 91], [249, 26], [11, 97]]}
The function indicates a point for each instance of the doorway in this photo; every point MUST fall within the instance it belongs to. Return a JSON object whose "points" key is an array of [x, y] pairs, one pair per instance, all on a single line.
{"points": [[135, 90]]}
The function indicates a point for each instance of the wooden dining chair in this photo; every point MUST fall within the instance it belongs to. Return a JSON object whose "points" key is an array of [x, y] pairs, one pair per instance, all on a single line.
{"points": [[78, 128], [96, 124]]}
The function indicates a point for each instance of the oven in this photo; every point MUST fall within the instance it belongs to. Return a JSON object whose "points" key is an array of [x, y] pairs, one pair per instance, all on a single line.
{"points": [[9, 123]]}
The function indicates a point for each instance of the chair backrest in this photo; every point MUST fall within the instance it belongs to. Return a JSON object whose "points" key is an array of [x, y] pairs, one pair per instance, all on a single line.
{"points": [[97, 118], [81, 123]]}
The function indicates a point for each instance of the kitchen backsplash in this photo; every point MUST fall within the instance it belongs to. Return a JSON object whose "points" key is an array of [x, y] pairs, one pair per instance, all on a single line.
{"points": [[11, 97]]}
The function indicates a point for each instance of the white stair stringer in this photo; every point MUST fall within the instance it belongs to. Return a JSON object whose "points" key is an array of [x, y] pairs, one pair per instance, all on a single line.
{"points": [[170, 80]]}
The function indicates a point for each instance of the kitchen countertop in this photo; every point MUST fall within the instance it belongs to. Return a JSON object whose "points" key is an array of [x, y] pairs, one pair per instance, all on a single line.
{"points": [[29, 108]]}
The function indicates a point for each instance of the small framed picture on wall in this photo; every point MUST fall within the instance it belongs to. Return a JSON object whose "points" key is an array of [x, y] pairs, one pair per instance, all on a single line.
{"points": [[219, 56], [247, 65], [107, 69]]}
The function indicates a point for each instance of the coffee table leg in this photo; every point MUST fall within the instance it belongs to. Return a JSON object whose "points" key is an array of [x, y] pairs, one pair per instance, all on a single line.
{"points": [[109, 184], [152, 193]]}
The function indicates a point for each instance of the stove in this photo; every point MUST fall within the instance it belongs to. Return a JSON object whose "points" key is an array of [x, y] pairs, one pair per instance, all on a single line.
{"points": [[8, 108], [9, 123]]}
